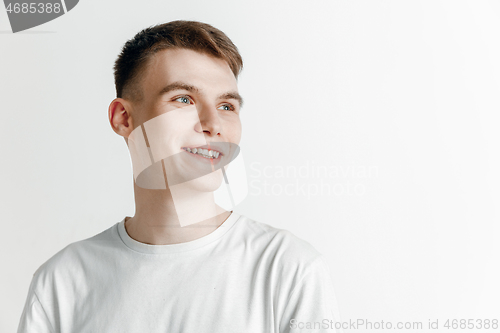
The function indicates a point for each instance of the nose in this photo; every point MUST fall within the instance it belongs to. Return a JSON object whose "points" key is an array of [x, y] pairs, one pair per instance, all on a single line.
{"points": [[210, 123]]}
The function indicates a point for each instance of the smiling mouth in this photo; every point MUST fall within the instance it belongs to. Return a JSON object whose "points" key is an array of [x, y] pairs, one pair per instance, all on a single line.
{"points": [[204, 152]]}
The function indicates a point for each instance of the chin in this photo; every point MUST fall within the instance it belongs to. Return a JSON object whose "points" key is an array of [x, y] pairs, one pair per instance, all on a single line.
{"points": [[207, 183]]}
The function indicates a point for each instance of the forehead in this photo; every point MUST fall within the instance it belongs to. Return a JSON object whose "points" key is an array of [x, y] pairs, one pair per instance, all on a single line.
{"points": [[209, 74]]}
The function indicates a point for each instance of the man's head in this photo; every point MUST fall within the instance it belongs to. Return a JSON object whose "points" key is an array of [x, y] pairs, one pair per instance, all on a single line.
{"points": [[191, 35], [173, 66]]}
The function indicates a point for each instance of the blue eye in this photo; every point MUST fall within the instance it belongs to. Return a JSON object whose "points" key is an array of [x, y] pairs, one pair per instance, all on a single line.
{"points": [[183, 99], [227, 107]]}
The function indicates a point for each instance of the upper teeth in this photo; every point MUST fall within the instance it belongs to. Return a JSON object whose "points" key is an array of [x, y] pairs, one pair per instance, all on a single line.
{"points": [[204, 152]]}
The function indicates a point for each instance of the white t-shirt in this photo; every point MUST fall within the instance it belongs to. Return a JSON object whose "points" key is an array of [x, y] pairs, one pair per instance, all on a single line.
{"points": [[245, 276]]}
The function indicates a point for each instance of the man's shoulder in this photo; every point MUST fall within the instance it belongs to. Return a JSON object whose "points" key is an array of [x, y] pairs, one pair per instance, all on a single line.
{"points": [[75, 256], [282, 244]]}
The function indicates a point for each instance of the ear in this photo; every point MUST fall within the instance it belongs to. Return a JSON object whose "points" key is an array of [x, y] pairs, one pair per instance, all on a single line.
{"points": [[119, 117]]}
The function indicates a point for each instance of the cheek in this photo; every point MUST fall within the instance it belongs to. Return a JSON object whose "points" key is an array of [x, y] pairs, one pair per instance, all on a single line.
{"points": [[234, 130], [153, 110], [144, 113]]}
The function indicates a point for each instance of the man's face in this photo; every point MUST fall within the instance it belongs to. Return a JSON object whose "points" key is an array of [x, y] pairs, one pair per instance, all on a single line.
{"points": [[179, 78]]}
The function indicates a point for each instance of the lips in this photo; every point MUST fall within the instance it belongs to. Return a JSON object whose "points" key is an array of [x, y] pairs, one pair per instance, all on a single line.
{"points": [[193, 166], [220, 147], [203, 152]]}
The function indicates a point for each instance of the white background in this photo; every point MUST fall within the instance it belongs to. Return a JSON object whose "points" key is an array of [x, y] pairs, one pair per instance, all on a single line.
{"points": [[407, 91]]}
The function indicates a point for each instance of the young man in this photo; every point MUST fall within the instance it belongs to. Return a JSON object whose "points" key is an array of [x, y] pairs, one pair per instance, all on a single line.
{"points": [[182, 263]]}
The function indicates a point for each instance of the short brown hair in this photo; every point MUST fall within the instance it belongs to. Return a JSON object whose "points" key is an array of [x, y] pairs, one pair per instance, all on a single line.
{"points": [[193, 35]]}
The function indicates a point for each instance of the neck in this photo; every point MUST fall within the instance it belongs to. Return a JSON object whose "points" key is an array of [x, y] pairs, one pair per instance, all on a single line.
{"points": [[157, 222]]}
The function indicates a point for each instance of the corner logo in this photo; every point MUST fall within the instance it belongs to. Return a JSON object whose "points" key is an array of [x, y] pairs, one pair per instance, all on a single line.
{"points": [[26, 15]]}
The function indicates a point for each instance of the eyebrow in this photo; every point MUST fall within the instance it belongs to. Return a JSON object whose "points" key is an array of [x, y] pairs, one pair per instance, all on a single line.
{"points": [[232, 95], [184, 86], [178, 86]]}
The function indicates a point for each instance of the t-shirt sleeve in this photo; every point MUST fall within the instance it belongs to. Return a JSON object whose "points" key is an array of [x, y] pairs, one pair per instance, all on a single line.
{"points": [[311, 306], [34, 318]]}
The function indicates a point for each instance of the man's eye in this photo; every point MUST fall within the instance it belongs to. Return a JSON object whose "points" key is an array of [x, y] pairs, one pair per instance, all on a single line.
{"points": [[226, 107], [183, 99]]}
